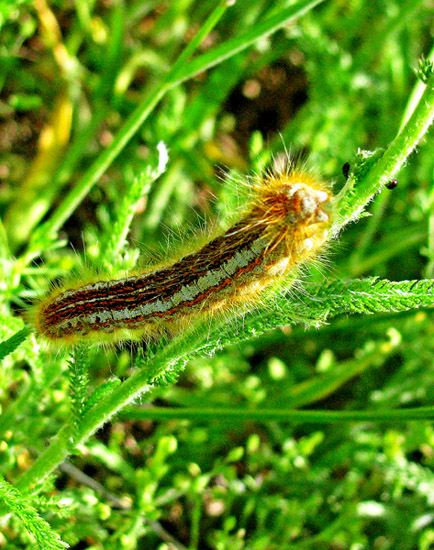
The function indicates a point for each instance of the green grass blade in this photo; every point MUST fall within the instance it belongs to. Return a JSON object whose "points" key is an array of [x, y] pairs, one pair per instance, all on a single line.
{"points": [[131, 126], [231, 415], [177, 74], [240, 43]]}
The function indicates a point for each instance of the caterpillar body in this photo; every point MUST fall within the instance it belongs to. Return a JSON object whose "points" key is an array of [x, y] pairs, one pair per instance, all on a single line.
{"points": [[284, 223]]}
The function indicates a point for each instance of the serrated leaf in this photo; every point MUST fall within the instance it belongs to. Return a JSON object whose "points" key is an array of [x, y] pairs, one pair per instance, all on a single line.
{"points": [[12, 343], [78, 381], [317, 304], [19, 505]]}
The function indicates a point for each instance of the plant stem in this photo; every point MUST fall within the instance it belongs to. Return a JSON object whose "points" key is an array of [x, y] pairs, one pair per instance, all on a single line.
{"points": [[240, 43], [184, 345], [136, 384], [179, 72], [349, 204], [131, 126], [291, 415]]}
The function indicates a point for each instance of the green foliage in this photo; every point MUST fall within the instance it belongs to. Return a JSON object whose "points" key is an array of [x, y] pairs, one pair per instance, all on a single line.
{"points": [[17, 503], [78, 367], [9, 10], [138, 189], [316, 305], [299, 424], [11, 344], [424, 69]]}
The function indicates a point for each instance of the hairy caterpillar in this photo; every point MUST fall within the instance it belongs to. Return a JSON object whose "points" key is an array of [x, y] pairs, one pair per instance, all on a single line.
{"points": [[284, 223]]}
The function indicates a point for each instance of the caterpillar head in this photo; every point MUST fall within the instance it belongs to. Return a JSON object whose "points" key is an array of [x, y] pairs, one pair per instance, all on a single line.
{"points": [[305, 204]]}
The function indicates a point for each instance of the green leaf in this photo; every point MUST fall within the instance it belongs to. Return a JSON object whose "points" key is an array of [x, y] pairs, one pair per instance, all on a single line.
{"points": [[19, 505], [316, 305], [12, 343], [99, 393]]}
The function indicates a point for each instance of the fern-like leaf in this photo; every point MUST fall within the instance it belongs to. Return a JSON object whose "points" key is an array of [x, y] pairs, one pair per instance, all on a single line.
{"points": [[78, 367], [99, 393], [12, 343], [315, 305], [19, 505], [140, 187]]}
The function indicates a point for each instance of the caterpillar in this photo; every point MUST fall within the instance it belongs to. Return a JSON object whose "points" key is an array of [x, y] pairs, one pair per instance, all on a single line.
{"points": [[284, 223]]}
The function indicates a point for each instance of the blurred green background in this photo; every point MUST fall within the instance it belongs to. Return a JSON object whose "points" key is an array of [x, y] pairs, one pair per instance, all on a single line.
{"points": [[338, 78]]}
